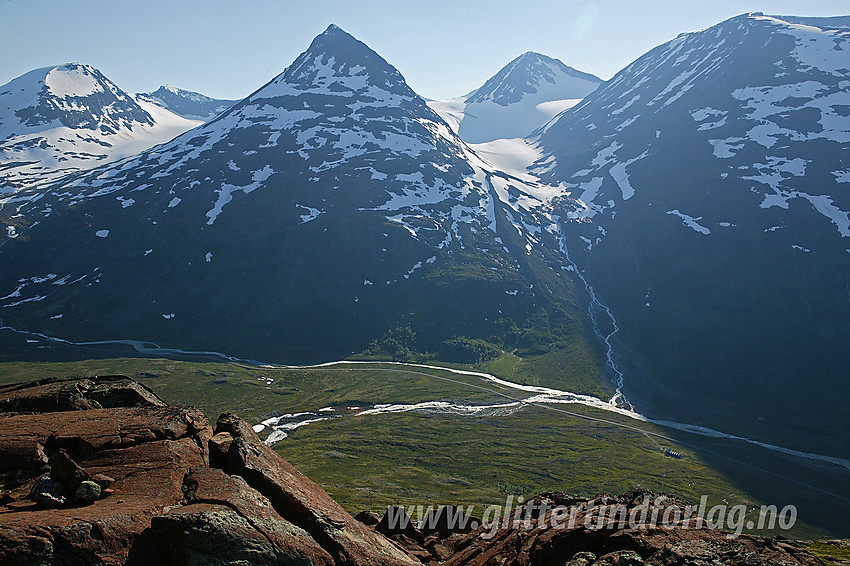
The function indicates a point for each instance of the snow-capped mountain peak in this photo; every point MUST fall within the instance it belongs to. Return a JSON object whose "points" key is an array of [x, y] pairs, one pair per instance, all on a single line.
{"points": [[341, 98], [524, 95], [60, 119], [339, 109], [70, 95], [534, 74], [337, 62]]}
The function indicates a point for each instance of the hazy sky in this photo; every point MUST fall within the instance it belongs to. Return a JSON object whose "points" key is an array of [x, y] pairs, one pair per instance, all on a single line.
{"points": [[444, 48]]}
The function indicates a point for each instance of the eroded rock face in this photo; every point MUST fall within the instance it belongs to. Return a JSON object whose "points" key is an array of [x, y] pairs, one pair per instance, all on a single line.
{"points": [[161, 502]]}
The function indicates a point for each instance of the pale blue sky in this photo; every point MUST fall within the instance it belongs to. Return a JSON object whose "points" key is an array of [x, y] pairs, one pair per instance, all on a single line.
{"points": [[444, 48]]}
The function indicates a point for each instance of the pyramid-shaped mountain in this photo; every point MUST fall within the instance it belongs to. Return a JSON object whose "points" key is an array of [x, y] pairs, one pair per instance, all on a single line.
{"points": [[331, 212], [710, 212], [61, 119], [524, 95], [534, 74]]}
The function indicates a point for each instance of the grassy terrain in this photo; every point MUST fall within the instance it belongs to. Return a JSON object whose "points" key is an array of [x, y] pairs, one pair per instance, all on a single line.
{"points": [[571, 369], [412, 458], [833, 553], [216, 388], [452, 459]]}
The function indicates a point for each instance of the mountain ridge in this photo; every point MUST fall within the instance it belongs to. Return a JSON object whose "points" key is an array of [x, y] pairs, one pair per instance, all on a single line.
{"points": [[527, 74], [187, 104]]}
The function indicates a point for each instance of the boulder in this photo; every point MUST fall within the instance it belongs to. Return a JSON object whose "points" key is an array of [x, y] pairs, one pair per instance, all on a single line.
{"points": [[368, 518], [620, 558], [56, 395], [445, 520], [582, 559], [49, 494], [87, 493], [64, 470], [224, 521]]}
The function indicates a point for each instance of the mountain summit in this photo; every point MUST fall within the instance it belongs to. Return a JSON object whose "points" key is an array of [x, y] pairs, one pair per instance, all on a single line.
{"points": [[335, 53], [62, 119], [533, 74], [185, 103], [525, 94]]}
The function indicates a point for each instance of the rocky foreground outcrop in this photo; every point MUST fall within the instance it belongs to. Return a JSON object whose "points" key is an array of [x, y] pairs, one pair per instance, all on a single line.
{"points": [[102, 471], [173, 490]]}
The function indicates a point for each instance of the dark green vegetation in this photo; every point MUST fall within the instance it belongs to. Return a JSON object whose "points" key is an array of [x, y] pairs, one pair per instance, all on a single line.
{"points": [[573, 368], [382, 459], [412, 458], [832, 553]]}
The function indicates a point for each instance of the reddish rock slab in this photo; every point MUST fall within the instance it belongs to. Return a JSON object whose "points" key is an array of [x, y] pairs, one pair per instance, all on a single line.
{"points": [[148, 479], [56, 395], [227, 522], [27, 440], [303, 502]]}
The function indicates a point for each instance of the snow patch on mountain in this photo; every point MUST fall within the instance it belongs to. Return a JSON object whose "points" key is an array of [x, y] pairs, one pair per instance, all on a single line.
{"points": [[312, 213], [820, 42], [486, 121], [824, 205], [513, 156], [621, 177], [72, 81], [690, 222], [225, 193]]}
